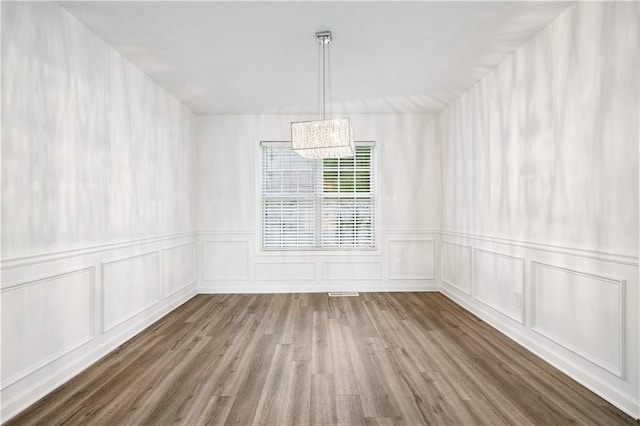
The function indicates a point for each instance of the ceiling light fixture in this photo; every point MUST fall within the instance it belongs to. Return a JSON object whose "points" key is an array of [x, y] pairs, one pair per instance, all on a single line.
{"points": [[326, 138]]}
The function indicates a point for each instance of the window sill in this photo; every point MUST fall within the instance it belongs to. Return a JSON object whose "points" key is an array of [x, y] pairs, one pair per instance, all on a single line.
{"points": [[282, 252]]}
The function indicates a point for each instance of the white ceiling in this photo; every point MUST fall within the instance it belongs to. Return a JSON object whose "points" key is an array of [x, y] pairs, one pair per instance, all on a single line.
{"points": [[262, 57]]}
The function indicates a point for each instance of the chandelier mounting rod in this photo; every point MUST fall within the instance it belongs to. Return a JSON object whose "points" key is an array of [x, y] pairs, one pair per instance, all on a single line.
{"points": [[324, 38]]}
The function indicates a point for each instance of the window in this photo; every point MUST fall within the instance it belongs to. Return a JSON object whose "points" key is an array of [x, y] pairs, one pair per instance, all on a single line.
{"points": [[323, 204]]}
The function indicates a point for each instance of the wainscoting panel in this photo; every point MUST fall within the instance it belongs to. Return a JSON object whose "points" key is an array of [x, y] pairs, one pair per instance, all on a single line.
{"points": [[582, 312], [225, 260], [411, 259], [43, 320], [456, 266], [499, 282], [179, 267], [285, 271], [352, 271], [129, 286], [234, 262], [63, 310], [578, 306]]}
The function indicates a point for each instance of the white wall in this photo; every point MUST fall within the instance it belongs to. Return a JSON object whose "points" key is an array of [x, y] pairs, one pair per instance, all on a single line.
{"points": [[539, 201], [98, 200], [229, 210], [540, 197]]}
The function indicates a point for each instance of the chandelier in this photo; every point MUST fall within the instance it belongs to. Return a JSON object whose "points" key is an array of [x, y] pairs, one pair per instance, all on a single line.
{"points": [[326, 138]]}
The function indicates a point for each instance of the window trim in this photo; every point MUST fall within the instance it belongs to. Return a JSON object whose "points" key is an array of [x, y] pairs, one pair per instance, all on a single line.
{"points": [[260, 251]]}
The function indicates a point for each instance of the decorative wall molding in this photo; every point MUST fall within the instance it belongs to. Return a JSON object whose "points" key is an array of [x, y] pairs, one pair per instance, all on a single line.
{"points": [[399, 262], [157, 282], [603, 363], [27, 259], [128, 258], [188, 243], [358, 270], [625, 258], [89, 354], [315, 270], [619, 368], [410, 231], [266, 281], [55, 365], [234, 266], [222, 287], [224, 234], [285, 271], [69, 348], [193, 280], [317, 265], [588, 378], [314, 253], [495, 304], [468, 270]]}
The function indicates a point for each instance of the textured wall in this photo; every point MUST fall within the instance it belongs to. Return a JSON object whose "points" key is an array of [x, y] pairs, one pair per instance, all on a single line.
{"points": [[545, 148], [92, 149]]}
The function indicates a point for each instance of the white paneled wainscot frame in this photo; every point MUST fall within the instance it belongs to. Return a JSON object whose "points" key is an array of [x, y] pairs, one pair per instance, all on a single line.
{"points": [[573, 307], [233, 263], [499, 280], [412, 258], [71, 318], [136, 276], [561, 294], [65, 309], [456, 266]]}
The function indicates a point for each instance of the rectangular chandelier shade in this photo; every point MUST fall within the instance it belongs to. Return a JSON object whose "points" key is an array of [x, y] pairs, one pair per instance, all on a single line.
{"points": [[323, 138]]}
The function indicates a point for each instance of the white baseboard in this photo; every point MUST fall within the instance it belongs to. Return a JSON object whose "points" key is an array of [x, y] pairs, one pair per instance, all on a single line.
{"points": [[33, 393], [314, 287], [515, 332]]}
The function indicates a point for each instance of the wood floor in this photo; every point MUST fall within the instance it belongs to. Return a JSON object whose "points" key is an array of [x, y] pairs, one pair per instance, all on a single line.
{"points": [[377, 359]]}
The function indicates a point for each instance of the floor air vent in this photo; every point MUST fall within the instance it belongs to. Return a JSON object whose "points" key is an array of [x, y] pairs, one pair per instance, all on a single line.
{"points": [[344, 294]]}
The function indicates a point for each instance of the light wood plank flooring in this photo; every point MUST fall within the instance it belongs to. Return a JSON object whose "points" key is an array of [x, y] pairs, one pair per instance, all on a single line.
{"points": [[377, 359]]}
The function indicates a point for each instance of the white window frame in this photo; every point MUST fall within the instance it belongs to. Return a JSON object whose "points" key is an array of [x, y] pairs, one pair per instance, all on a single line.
{"points": [[260, 250]]}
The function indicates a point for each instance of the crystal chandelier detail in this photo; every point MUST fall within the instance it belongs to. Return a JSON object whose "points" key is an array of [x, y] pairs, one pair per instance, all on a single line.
{"points": [[326, 138]]}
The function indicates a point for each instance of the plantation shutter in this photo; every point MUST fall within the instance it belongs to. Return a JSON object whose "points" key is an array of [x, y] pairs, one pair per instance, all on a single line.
{"points": [[317, 203]]}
